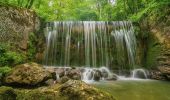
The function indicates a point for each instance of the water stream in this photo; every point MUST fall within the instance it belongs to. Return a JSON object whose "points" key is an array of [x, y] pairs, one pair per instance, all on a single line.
{"points": [[136, 89]]}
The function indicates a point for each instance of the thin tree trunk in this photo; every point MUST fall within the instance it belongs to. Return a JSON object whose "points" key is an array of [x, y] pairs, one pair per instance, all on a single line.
{"points": [[30, 4]]}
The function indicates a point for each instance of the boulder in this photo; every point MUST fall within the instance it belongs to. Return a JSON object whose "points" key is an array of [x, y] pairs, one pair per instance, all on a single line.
{"points": [[112, 78], [27, 74], [78, 90], [97, 75], [157, 75], [60, 71], [74, 74], [164, 70], [63, 79], [71, 90], [50, 82]]}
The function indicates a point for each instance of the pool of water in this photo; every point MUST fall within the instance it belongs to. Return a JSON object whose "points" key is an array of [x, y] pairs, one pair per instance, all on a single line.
{"points": [[136, 89]]}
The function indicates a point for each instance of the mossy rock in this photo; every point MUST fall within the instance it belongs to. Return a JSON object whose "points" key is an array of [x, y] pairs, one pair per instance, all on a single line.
{"points": [[71, 90], [7, 93], [27, 74], [79, 90]]}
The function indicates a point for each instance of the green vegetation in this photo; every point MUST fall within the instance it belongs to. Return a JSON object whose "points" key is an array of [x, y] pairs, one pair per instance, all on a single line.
{"points": [[7, 93], [9, 58], [92, 9], [153, 51], [4, 70], [31, 46], [143, 12]]}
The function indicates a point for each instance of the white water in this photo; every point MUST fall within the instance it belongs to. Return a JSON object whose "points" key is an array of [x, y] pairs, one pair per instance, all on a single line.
{"points": [[88, 74], [136, 74]]}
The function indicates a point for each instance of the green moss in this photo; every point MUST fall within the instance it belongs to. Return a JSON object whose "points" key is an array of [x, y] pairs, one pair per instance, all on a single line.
{"points": [[5, 70], [8, 57], [7, 93], [153, 51], [31, 46], [37, 95]]}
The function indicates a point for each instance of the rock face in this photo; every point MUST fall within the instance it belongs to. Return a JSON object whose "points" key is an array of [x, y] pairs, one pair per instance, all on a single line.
{"points": [[162, 69], [162, 73], [71, 90], [20, 30], [27, 74], [16, 24], [155, 42]]}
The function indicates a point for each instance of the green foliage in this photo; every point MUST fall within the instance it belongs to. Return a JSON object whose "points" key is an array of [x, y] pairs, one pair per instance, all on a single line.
{"points": [[7, 93], [50, 10], [8, 57], [4, 70], [20, 3], [31, 46], [153, 51]]}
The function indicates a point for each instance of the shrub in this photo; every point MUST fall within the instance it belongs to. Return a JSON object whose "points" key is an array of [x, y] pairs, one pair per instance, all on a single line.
{"points": [[4, 70], [9, 58]]}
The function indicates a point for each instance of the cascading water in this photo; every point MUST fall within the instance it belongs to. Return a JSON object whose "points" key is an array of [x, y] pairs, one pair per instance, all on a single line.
{"points": [[90, 44], [139, 73]]}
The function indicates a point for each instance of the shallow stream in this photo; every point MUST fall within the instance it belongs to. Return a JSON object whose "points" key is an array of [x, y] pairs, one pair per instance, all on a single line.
{"points": [[136, 89]]}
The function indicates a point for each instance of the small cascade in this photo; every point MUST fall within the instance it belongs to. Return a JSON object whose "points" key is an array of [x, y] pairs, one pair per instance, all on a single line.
{"points": [[139, 73], [96, 74], [136, 74]]}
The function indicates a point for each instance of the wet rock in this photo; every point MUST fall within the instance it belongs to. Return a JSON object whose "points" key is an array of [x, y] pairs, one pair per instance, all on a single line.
{"points": [[74, 74], [164, 70], [60, 72], [27, 74], [112, 78], [64, 79], [50, 82], [105, 75], [157, 75], [97, 75], [52, 72], [140, 75]]}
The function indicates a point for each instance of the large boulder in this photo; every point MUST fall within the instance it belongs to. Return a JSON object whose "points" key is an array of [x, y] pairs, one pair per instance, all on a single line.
{"points": [[71, 90], [27, 74], [78, 90]]}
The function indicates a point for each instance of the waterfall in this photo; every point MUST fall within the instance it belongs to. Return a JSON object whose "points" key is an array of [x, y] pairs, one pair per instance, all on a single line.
{"points": [[139, 73], [125, 43], [90, 44]]}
